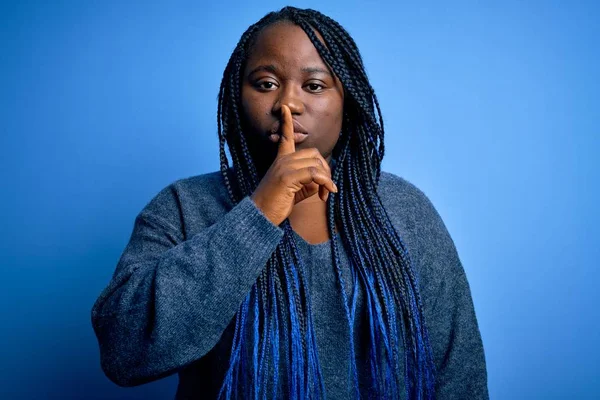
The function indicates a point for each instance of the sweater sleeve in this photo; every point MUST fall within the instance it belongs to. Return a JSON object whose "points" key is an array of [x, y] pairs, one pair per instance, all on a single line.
{"points": [[448, 307], [449, 313], [456, 339], [169, 299]]}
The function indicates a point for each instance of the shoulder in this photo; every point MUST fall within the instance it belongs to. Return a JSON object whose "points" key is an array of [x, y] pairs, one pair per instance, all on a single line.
{"points": [[191, 189], [407, 203], [419, 224], [205, 186], [391, 184], [190, 202], [399, 195]]}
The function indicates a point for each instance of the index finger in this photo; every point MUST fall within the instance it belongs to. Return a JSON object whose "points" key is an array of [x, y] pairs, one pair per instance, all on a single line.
{"points": [[286, 141]]}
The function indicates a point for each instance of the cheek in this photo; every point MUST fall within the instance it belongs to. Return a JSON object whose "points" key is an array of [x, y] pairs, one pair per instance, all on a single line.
{"points": [[333, 113], [256, 108], [253, 109]]}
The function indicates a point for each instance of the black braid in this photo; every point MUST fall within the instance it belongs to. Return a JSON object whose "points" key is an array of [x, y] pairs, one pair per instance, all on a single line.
{"points": [[374, 246]]}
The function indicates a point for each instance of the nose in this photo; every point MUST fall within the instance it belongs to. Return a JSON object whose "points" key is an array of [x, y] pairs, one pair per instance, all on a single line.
{"points": [[290, 98]]}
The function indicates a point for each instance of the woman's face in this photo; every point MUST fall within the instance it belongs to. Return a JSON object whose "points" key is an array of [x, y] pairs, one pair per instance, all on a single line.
{"points": [[285, 68]]}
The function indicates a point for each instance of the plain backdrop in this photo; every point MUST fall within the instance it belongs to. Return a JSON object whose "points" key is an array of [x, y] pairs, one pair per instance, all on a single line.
{"points": [[490, 108]]}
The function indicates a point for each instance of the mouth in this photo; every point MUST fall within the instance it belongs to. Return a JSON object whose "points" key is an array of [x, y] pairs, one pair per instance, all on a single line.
{"points": [[299, 137], [300, 133]]}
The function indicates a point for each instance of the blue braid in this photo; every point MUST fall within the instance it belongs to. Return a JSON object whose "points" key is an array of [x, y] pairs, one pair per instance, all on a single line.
{"points": [[279, 301]]}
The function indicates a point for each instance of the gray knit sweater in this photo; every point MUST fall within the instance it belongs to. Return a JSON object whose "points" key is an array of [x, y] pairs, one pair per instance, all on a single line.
{"points": [[193, 257]]}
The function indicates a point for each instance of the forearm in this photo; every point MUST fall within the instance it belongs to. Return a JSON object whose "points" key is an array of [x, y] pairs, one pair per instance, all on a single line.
{"points": [[168, 304]]}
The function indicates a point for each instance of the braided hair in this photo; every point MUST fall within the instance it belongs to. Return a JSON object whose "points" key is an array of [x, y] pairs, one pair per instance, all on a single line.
{"points": [[273, 327]]}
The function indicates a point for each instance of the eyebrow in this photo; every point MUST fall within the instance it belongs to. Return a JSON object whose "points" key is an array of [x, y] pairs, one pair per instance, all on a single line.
{"points": [[316, 70], [271, 68], [266, 68]]}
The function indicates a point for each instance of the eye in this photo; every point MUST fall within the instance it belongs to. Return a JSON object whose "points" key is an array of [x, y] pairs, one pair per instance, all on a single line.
{"points": [[315, 87], [265, 85]]}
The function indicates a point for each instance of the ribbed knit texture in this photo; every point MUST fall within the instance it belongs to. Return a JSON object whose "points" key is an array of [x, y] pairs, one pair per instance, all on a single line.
{"points": [[193, 257]]}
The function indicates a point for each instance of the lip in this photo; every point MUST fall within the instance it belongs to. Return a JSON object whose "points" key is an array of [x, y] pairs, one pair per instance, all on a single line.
{"points": [[300, 133], [299, 137], [297, 127]]}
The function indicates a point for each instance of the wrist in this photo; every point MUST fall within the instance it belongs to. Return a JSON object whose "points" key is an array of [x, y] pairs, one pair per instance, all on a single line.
{"points": [[258, 203]]}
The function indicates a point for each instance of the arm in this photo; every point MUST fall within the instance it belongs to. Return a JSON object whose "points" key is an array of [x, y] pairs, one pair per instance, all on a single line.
{"points": [[446, 297], [456, 339], [449, 312], [169, 300]]}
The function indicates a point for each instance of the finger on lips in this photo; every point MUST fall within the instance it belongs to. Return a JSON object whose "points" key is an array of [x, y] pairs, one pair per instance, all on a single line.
{"points": [[286, 141], [287, 146]]}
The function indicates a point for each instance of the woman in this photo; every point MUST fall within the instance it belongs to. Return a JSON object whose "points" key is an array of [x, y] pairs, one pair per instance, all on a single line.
{"points": [[302, 271]]}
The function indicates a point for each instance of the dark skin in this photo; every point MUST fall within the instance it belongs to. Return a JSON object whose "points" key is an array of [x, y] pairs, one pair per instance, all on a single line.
{"points": [[285, 80]]}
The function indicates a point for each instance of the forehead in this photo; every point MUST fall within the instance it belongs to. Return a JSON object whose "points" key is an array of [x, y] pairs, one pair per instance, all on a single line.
{"points": [[286, 44]]}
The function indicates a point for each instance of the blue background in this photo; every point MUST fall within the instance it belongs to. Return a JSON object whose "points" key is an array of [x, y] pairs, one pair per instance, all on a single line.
{"points": [[491, 109]]}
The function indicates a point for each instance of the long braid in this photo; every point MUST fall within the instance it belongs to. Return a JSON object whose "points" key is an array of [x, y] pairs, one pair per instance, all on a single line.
{"points": [[279, 303]]}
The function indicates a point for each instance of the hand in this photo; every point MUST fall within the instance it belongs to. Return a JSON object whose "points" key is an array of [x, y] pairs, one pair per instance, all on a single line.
{"points": [[292, 177]]}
